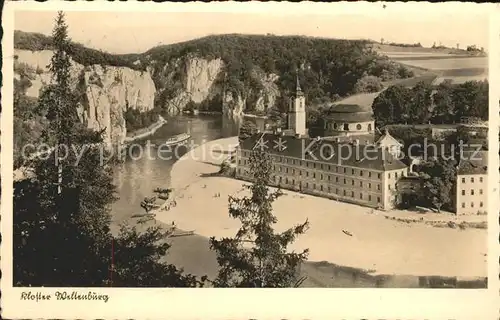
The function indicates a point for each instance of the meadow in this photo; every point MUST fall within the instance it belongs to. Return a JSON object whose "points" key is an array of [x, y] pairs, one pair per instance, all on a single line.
{"points": [[438, 65]]}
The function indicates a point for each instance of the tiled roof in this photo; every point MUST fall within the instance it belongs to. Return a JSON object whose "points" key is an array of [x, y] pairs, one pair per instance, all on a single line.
{"points": [[473, 163], [349, 108], [350, 117], [361, 156]]}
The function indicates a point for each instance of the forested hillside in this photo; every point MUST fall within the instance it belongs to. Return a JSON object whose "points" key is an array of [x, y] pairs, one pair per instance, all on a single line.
{"points": [[328, 68]]}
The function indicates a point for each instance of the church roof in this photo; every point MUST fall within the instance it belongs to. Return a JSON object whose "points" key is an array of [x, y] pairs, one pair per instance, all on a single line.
{"points": [[349, 108], [344, 154], [349, 113], [386, 139]]}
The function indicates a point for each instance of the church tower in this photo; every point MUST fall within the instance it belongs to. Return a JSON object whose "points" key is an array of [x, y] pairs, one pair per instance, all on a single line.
{"points": [[297, 112]]}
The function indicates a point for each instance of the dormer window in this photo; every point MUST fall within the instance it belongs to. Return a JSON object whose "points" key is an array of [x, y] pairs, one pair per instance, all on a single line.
{"points": [[346, 126]]}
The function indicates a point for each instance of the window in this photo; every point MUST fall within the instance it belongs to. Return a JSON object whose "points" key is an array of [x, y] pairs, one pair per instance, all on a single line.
{"points": [[321, 187], [321, 177], [472, 204], [472, 192], [463, 180], [358, 127], [463, 204], [346, 126], [314, 175], [361, 196], [481, 204], [472, 180], [378, 175], [293, 181], [286, 170], [352, 194], [307, 184], [328, 189], [352, 182], [345, 181], [307, 173], [286, 180], [300, 172], [369, 198], [314, 185], [481, 179], [337, 190], [369, 127], [396, 175], [389, 186], [480, 191], [336, 169], [337, 179], [378, 187], [293, 171], [352, 171], [389, 175], [329, 177], [378, 199], [344, 193], [369, 185], [361, 173], [314, 165], [463, 192], [329, 168], [345, 170], [361, 183]]}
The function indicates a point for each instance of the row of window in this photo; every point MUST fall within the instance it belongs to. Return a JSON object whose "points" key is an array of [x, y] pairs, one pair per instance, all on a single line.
{"points": [[337, 180], [472, 204], [328, 189], [472, 192], [472, 179], [345, 126], [322, 166]]}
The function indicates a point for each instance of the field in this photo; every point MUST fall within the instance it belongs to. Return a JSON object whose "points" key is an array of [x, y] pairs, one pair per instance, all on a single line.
{"points": [[436, 65]]}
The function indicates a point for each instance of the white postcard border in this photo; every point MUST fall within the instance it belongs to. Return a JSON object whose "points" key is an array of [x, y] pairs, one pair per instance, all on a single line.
{"points": [[135, 303]]}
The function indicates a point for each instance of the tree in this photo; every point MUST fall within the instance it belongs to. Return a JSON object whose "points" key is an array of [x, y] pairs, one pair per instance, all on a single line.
{"points": [[391, 106], [421, 102], [247, 129], [368, 84], [257, 256], [439, 179], [62, 217]]}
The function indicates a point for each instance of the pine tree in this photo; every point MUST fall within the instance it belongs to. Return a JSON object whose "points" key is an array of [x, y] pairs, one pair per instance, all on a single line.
{"points": [[266, 262], [62, 215]]}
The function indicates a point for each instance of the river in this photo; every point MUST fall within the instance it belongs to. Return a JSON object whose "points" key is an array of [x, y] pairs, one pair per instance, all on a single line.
{"points": [[140, 174]]}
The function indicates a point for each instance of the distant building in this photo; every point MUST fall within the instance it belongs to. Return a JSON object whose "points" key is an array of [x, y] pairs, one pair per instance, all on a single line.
{"points": [[471, 190], [346, 169]]}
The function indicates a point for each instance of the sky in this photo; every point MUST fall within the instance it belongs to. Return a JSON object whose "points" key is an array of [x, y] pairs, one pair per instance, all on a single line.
{"points": [[134, 32]]}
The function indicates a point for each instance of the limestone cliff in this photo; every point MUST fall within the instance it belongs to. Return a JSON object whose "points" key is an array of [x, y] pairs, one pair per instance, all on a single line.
{"points": [[202, 83], [106, 91]]}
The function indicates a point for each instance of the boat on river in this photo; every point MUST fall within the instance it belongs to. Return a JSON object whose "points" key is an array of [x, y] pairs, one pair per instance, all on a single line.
{"points": [[177, 139]]}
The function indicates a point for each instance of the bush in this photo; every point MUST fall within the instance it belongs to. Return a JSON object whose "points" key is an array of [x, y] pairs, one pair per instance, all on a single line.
{"points": [[368, 84]]}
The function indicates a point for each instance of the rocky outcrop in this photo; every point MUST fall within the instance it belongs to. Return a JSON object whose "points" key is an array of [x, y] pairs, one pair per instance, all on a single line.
{"points": [[106, 91], [197, 80]]}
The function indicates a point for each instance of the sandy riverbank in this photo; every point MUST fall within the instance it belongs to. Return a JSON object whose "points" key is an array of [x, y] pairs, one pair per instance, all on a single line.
{"points": [[380, 245]]}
